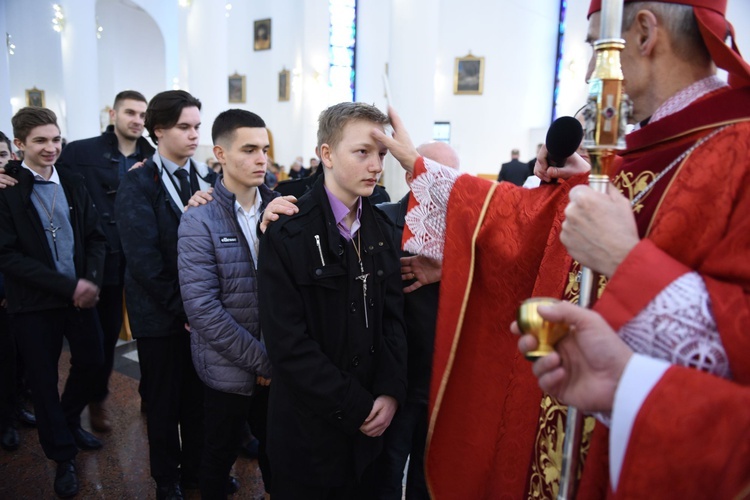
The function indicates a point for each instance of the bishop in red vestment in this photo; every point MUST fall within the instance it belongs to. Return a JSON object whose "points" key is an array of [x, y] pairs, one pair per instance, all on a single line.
{"points": [[678, 268]]}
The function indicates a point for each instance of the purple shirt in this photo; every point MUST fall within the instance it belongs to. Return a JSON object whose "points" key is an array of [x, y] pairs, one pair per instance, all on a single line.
{"points": [[340, 211]]}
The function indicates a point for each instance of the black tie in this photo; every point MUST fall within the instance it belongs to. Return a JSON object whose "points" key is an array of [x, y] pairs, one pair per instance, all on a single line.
{"points": [[185, 191]]}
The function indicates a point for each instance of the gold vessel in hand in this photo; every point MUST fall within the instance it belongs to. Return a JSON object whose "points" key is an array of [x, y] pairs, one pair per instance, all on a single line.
{"points": [[546, 332]]}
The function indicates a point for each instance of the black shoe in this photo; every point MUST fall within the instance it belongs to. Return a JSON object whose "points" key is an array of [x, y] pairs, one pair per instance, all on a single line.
{"points": [[85, 440], [233, 485], [10, 439], [170, 491], [250, 450], [27, 417], [66, 480]]}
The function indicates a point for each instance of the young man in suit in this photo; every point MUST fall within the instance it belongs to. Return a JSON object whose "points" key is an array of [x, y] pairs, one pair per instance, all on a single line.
{"points": [[150, 202], [52, 257], [103, 161]]}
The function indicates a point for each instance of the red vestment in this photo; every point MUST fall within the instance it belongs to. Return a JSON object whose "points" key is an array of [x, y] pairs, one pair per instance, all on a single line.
{"points": [[691, 439], [502, 246]]}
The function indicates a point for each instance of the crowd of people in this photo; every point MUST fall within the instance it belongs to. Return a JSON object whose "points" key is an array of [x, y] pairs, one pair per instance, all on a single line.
{"points": [[298, 310]]}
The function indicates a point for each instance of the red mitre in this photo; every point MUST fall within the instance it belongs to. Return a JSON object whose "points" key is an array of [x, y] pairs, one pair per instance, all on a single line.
{"points": [[714, 28]]}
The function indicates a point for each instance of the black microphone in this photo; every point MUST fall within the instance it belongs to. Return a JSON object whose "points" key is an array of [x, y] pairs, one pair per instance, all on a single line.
{"points": [[563, 138]]}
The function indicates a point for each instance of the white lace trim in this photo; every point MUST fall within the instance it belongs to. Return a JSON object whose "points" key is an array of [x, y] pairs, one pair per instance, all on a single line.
{"points": [[678, 326], [426, 221]]}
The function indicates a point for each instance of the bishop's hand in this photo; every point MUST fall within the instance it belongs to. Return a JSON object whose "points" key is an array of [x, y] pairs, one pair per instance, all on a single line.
{"points": [[599, 229]]}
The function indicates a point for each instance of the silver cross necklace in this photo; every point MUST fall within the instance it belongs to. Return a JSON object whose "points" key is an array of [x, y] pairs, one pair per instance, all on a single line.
{"points": [[52, 229], [362, 277]]}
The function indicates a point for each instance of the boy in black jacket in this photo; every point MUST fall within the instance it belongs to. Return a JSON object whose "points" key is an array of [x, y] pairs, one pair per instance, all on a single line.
{"points": [[331, 314], [52, 287]]}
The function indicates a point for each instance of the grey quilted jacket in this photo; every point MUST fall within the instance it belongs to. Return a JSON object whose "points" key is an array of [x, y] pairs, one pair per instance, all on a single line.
{"points": [[220, 295]]}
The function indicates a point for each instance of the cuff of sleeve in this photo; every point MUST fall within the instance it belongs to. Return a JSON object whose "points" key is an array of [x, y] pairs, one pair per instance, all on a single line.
{"points": [[618, 304], [640, 376]]}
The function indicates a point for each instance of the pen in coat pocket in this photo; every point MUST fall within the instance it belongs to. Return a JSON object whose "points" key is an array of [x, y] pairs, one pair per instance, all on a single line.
{"points": [[320, 250]]}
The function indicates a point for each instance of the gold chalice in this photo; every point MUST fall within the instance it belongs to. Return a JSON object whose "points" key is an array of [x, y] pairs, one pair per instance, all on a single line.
{"points": [[546, 332]]}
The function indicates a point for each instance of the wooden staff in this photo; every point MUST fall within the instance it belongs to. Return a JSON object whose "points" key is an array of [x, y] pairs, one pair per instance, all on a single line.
{"points": [[607, 112]]}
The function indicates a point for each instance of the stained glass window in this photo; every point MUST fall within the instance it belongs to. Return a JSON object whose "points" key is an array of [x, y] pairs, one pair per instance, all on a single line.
{"points": [[558, 66], [341, 55]]}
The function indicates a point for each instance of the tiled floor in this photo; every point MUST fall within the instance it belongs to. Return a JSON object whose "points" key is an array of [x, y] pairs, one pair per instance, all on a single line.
{"points": [[119, 470]]}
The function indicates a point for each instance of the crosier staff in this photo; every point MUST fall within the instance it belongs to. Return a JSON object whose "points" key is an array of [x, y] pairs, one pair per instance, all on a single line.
{"points": [[606, 113]]}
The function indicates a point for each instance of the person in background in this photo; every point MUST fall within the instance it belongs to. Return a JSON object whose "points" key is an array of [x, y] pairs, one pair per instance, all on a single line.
{"points": [[407, 435], [103, 161]]}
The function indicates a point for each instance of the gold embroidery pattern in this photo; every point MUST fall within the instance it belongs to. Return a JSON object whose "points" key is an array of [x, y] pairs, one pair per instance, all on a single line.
{"points": [[630, 185], [544, 480]]}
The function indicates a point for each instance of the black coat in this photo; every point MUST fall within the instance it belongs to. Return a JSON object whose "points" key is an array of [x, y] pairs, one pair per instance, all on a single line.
{"points": [[32, 282], [96, 160], [420, 315], [147, 219], [327, 367], [514, 171]]}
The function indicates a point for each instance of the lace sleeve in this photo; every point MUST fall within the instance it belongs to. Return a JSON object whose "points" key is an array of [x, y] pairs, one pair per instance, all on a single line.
{"points": [[426, 220], [678, 326]]}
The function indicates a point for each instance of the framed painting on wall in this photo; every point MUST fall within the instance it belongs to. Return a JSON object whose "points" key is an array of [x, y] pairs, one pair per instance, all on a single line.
{"points": [[35, 97], [284, 85], [262, 34], [468, 76], [236, 88]]}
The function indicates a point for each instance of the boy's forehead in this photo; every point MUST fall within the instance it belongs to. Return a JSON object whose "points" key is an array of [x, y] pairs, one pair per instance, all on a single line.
{"points": [[255, 135], [48, 130], [359, 130]]}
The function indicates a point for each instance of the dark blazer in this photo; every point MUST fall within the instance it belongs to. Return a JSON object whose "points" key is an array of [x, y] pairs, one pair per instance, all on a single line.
{"points": [[327, 367], [514, 171], [32, 282], [420, 314], [96, 160], [147, 220]]}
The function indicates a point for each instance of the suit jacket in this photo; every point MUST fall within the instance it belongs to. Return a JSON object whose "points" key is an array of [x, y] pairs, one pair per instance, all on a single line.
{"points": [[148, 215], [31, 280], [328, 367], [96, 160], [514, 171]]}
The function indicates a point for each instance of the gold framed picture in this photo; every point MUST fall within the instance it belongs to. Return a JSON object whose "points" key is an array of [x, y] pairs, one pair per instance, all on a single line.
{"points": [[236, 88], [262, 34], [468, 76], [284, 85], [35, 97]]}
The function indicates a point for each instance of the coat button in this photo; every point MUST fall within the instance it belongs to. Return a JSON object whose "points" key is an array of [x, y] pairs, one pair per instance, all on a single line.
{"points": [[338, 415], [318, 272], [353, 307], [370, 247], [372, 349], [355, 360], [372, 303], [341, 250], [380, 243], [380, 273]]}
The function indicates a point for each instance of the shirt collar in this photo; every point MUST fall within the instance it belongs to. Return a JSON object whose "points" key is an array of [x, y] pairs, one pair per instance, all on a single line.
{"points": [[172, 167], [54, 178], [340, 211], [254, 209]]}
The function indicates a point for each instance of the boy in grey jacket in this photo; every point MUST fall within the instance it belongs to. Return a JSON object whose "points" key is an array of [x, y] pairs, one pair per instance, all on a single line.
{"points": [[218, 252]]}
